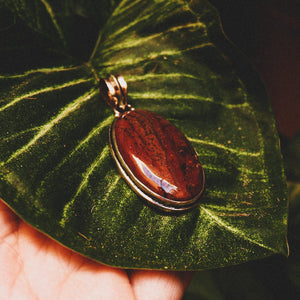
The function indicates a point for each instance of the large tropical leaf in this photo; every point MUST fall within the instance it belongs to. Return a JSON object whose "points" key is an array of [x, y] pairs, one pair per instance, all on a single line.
{"points": [[270, 278], [56, 169]]}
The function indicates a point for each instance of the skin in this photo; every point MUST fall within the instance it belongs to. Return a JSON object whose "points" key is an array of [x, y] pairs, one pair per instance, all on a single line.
{"points": [[33, 266]]}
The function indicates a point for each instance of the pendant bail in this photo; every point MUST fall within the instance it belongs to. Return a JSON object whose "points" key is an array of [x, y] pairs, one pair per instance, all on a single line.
{"points": [[114, 91]]}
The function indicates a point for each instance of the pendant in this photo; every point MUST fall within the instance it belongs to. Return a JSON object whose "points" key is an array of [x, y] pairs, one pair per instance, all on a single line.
{"points": [[152, 154]]}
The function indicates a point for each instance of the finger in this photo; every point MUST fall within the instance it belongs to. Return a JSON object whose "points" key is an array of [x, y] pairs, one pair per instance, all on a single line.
{"points": [[70, 275], [36, 267], [159, 284], [96, 281], [9, 221]]}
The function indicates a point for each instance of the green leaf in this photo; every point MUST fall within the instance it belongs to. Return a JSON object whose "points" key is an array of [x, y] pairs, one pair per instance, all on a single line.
{"points": [[56, 171], [266, 278], [64, 22]]}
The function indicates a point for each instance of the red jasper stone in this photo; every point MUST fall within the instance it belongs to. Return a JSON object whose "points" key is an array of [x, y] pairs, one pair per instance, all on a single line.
{"points": [[158, 155]]}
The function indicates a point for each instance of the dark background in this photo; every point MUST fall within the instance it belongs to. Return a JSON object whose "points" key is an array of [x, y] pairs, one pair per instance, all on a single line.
{"points": [[268, 33]]}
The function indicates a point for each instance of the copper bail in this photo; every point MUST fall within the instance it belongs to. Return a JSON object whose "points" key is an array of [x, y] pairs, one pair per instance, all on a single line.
{"points": [[114, 91]]}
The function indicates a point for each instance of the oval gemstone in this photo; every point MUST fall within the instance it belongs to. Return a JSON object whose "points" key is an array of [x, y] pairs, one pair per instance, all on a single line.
{"points": [[157, 158]]}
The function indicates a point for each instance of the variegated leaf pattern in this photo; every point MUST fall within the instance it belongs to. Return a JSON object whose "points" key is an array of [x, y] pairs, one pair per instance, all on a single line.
{"points": [[57, 172]]}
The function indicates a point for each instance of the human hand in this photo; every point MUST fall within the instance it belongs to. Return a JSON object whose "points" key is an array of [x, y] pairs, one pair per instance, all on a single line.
{"points": [[33, 266]]}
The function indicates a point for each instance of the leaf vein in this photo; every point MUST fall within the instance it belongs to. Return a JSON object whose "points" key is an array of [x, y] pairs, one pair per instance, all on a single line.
{"points": [[94, 131], [235, 230], [155, 55], [112, 186], [217, 145], [89, 171], [41, 70], [165, 96], [135, 78], [44, 90], [48, 126], [134, 41], [11, 137], [54, 21], [83, 183]]}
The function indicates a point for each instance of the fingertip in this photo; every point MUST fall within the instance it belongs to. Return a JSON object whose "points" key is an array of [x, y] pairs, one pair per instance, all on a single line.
{"points": [[167, 285]]}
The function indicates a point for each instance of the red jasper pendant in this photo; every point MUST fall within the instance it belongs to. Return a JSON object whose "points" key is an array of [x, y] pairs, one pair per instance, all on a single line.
{"points": [[152, 154]]}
